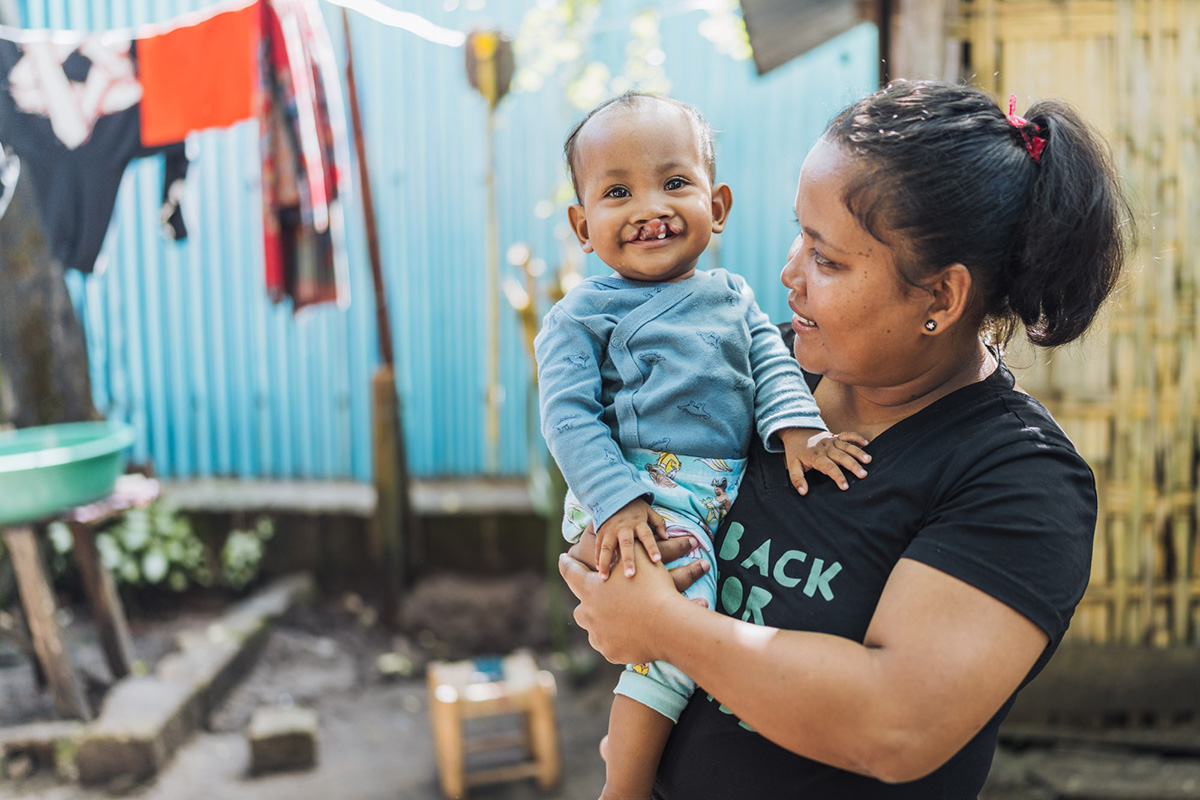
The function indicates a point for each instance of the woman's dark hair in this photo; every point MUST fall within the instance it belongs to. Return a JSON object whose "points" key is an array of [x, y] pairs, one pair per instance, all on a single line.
{"points": [[946, 178]]}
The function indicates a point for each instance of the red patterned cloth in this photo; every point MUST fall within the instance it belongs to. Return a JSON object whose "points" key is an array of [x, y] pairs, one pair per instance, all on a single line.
{"points": [[302, 222]]}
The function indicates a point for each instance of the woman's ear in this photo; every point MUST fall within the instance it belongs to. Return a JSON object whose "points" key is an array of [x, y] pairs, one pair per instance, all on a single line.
{"points": [[578, 219], [722, 201], [949, 297]]}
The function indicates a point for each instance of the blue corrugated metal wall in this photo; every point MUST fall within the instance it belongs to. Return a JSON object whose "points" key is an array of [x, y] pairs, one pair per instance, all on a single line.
{"points": [[218, 381]]}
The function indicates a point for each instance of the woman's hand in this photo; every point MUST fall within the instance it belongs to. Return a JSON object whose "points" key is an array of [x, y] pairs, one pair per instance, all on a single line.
{"points": [[624, 616], [584, 551]]}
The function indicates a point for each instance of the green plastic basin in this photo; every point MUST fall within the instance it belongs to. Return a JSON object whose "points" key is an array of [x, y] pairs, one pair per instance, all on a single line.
{"points": [[49, 469]]}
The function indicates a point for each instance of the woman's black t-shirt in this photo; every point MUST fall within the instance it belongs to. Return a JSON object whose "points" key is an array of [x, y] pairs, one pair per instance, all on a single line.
{"points": [[982, 485]]}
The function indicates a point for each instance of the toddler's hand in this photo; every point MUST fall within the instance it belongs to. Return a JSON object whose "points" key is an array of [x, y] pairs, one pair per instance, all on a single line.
{"points": [[806, 448], [636, 521]]}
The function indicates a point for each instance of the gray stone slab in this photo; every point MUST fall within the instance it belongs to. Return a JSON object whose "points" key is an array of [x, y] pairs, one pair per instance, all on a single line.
{"points": [[274, 600], [45, 744], [215, 660], [145, 719], [141, 724], [282, 738]]}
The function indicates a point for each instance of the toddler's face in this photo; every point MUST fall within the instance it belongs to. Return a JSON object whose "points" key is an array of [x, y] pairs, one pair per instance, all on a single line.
{"points": [[647, 206]]}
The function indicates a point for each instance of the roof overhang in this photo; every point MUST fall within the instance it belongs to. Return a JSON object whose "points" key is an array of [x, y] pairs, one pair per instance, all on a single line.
{"points": [[780, 30]]}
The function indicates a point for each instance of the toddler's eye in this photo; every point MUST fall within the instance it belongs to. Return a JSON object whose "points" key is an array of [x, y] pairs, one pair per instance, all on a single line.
{"points": [[674, 183], [618, 192]]}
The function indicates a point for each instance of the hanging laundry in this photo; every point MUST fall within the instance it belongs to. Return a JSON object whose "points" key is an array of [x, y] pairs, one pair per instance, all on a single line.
{"points": [[269, 59], [69, 111], [77, 108], [303, 157]]}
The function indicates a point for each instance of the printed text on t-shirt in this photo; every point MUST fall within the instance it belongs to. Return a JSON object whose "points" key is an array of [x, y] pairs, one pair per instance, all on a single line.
{"points": [[786, 570]]}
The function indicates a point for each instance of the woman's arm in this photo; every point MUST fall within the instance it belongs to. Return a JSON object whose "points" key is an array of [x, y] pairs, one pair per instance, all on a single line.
{"points": [[939, 659]]}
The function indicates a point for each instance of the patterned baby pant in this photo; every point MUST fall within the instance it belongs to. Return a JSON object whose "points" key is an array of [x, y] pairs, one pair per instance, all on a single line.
{"points": [[692, 495]]}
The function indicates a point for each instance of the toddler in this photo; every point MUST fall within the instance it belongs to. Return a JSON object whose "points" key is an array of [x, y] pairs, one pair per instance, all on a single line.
{"points": [[653, 380]]}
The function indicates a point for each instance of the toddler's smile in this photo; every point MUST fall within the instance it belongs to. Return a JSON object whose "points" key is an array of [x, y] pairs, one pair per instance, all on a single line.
{"points": [[654, 230]]}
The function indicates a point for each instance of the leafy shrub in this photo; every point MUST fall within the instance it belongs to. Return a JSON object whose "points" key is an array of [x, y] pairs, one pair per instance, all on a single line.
{"points": [[156, 546]]}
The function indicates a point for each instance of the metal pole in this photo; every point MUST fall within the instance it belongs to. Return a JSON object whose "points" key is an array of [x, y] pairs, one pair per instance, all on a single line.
{"points": [[493, 299]]}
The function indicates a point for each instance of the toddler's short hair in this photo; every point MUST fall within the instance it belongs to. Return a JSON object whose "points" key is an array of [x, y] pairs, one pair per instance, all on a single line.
{"points": [[629, 100]]}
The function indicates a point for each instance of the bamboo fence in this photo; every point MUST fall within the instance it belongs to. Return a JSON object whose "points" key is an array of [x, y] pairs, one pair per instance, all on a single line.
{"points": [[1128, 396]]}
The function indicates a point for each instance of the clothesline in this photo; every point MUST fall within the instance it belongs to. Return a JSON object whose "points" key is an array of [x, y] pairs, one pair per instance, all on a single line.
{"points": [[405, 20], [419, 26], [372, 9]]}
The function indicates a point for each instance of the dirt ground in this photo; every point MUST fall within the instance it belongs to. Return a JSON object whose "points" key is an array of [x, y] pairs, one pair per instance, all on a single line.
{"points": [[375, 740]]}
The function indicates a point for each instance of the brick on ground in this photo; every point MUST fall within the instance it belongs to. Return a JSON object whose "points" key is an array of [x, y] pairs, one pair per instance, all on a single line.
{"points": [[282, 739]]}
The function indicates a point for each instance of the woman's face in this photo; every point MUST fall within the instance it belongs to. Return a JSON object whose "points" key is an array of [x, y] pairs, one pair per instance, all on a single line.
{"points": [[856, 321]]}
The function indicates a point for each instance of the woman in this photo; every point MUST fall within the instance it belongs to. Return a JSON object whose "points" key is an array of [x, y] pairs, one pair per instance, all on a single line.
{"points": [[872, 640]]}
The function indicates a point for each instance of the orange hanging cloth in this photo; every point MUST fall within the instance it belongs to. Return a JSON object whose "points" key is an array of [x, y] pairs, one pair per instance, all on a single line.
{"points": [[202, 75]]}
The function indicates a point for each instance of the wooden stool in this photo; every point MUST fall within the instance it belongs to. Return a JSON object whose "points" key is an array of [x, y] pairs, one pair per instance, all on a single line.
{"points": [[462, 690]]}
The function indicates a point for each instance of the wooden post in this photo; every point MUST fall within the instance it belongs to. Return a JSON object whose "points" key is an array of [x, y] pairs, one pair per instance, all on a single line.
{"points": [[38, 601], [543, 731], [386, 551], [394, 519], [115, 639]]}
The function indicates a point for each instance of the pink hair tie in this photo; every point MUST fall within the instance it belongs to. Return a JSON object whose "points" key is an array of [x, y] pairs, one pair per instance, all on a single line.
{"points": [[1033, 144]]}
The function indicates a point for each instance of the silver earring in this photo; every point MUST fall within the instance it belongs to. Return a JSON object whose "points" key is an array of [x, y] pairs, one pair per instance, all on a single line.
{"points": [[931, 325]]}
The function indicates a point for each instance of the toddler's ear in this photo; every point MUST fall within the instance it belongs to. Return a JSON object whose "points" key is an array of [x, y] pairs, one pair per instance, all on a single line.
{"points": [[722, 201], [578, 219]]}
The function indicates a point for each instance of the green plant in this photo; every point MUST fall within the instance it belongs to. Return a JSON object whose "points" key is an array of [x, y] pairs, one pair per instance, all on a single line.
{"points": [[156, 546]]}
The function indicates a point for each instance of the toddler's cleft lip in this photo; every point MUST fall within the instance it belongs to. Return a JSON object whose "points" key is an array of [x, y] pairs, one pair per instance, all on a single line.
{"points": [[656, 230]]}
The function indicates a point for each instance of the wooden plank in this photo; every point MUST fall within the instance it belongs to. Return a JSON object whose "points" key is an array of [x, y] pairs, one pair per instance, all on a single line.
{"points": [[309, 497], [1074, 19], [430, 497], [1171, 740], [115, 639], [509, 772], [38, 602], [917, 42], [1112, 679]]}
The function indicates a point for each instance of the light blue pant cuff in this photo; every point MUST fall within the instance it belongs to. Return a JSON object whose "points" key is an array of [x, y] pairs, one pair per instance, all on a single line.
{"points": [[652, 693]]}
